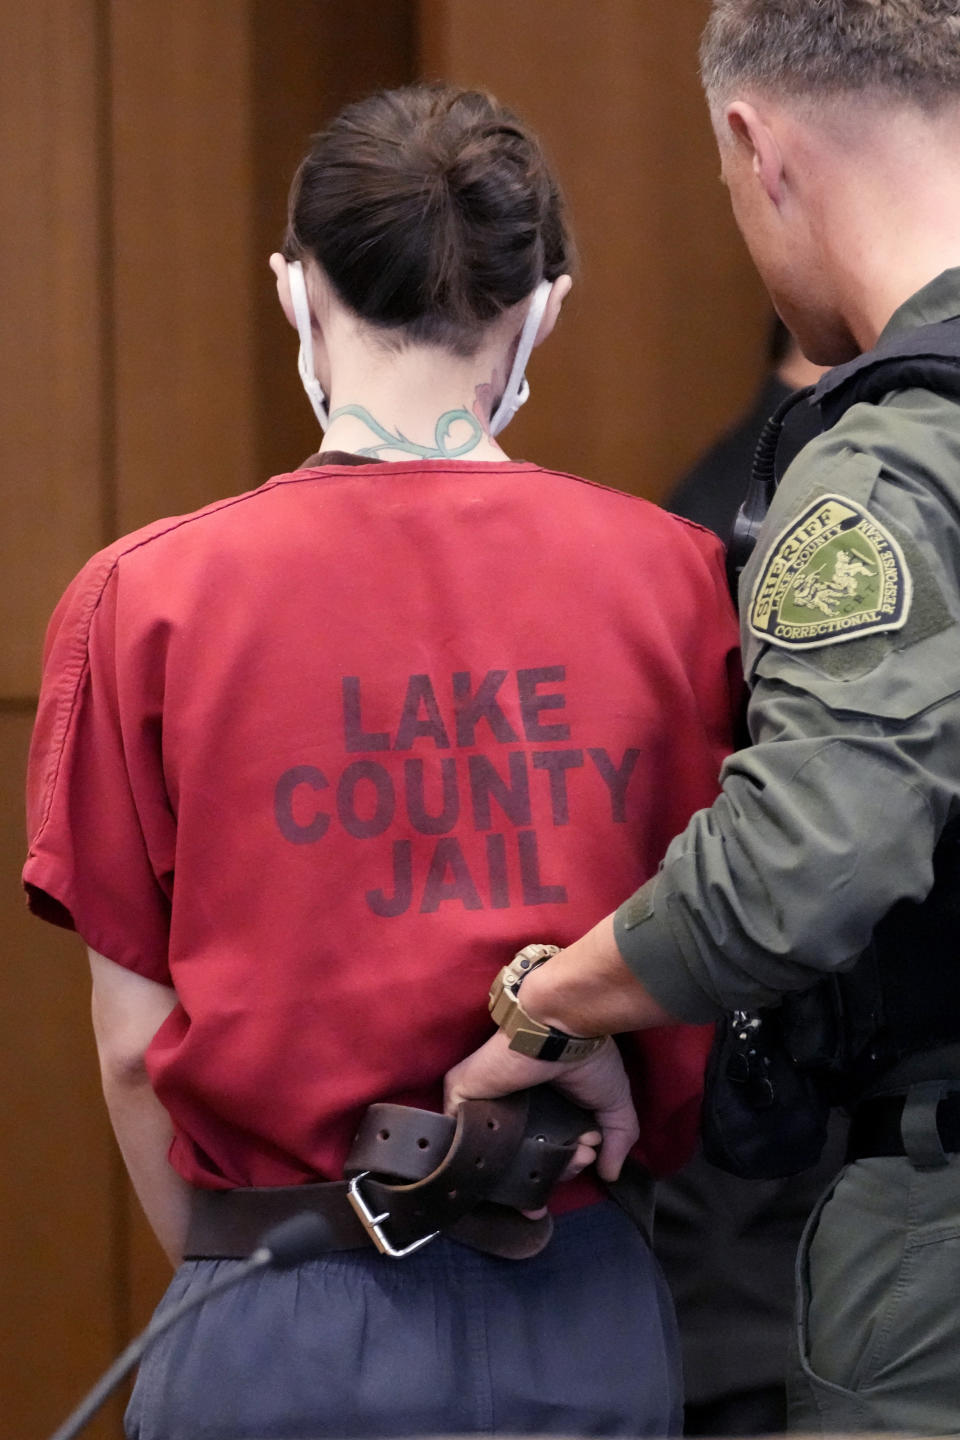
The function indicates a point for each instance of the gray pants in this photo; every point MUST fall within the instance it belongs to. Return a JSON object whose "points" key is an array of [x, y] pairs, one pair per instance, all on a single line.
{"points": [[879, 1303], [580, 1340]]}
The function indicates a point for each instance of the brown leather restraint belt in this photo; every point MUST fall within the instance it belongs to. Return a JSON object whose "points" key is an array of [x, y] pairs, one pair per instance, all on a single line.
{"points": [[412, 1174]]}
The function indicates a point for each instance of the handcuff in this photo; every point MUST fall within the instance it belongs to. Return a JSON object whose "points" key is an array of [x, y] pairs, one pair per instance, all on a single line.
{"points": [[528, 1036]]}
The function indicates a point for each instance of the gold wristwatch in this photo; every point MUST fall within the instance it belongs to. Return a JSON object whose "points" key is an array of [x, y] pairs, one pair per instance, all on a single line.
{"points": [[526, 1035]]}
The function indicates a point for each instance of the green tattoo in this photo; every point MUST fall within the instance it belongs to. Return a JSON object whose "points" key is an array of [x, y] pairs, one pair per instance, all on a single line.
{"points": [[439, 450]]}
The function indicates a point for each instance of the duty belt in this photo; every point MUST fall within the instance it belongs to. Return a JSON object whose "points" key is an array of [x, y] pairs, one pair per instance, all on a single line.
{"points": [[412, 1175], [923, 1124]]}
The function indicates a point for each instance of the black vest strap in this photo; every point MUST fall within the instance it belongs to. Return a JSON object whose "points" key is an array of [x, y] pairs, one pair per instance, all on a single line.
{"points": [[925, 359]]}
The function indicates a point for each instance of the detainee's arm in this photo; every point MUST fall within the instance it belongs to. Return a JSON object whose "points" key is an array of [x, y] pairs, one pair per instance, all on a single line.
{"points": [[128, 1010]]}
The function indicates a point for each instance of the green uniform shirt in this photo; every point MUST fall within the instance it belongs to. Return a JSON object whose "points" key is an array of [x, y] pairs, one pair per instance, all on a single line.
{"points": [[851, 644]]}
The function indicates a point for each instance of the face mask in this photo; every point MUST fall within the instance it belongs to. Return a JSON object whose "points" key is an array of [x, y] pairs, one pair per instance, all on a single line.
{"points": [[301, 313], [517, 391]]}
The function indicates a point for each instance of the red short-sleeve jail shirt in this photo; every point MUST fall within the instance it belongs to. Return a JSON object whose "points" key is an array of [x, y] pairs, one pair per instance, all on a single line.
{"points": [[321, 756]]}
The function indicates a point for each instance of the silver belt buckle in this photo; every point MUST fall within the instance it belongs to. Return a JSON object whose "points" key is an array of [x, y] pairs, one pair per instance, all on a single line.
{"points": [[373, 1224]]}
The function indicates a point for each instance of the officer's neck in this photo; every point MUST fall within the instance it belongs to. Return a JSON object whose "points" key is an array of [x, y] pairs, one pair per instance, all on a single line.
{"points": [[890, 217]]}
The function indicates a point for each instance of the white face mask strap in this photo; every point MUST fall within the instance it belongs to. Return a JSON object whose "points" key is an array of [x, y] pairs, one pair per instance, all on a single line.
{"points": [[301, 313], [517, 390]]}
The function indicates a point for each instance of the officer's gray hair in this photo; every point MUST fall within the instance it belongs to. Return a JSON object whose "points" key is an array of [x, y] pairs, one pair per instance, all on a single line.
{"points": [[818, 48]]}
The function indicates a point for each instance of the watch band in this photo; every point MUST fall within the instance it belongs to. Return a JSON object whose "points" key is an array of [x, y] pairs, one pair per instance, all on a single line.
{"points": [[526, 1035]]}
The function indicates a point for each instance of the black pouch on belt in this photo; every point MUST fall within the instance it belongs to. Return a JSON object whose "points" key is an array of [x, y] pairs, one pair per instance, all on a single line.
{"points": [[763, 1117]]}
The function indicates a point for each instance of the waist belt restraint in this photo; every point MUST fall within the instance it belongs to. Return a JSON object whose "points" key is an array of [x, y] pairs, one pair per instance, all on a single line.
{"points": [[413, 1174]]}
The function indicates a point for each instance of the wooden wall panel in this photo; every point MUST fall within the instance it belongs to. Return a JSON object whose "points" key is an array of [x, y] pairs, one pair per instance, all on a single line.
{"points": [[662, 339], [182, 255], [61, 1320], [51, 358], [59, 1179]]}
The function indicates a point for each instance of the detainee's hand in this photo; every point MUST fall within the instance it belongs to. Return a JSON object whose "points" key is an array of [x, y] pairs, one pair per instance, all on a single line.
{"points": [[588, 1148], [588, 1145], [598, 1083]]}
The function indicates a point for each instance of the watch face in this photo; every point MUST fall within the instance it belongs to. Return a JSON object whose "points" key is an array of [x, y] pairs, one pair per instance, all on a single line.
{"points": [[513, 975]]}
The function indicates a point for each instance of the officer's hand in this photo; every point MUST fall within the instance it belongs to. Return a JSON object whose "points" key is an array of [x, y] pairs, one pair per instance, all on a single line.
{"points": [[598, 1083]]}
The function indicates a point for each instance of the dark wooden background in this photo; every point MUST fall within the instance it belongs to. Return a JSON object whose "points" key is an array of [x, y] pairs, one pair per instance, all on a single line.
{"points": [[145, 153]]}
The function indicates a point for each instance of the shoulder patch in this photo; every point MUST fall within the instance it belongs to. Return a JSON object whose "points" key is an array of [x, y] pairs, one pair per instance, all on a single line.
{"points": [[833, 574]]}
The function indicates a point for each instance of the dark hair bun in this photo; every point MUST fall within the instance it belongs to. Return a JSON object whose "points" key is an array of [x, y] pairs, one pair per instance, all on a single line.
{"points": [[429, 208]]}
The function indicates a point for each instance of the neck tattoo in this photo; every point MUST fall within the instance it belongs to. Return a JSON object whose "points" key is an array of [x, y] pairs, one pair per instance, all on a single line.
{"points": [[442, 447]]}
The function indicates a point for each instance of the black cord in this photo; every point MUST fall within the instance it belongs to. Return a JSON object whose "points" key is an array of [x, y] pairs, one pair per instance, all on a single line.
{"points": [[763, 484], [303, 1237]]}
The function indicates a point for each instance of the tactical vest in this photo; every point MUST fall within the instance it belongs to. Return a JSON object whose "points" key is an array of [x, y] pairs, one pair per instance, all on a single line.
{"points": [[902, 997]]}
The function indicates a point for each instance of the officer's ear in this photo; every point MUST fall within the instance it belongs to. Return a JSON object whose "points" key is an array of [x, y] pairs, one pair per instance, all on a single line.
{"points": [[551, 314], [752, 134]]}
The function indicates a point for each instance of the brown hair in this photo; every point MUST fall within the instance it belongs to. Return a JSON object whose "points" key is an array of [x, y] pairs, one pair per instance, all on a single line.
{"points": [[430, 209], [906, 48]]}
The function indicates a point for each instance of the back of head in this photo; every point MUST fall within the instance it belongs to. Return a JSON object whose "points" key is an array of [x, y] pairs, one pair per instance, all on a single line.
{"points": [[906, 50], [431, 210]]}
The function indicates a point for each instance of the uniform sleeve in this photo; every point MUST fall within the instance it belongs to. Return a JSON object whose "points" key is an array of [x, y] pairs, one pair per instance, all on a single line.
{"points": [[834, 813], [100, 826]]}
